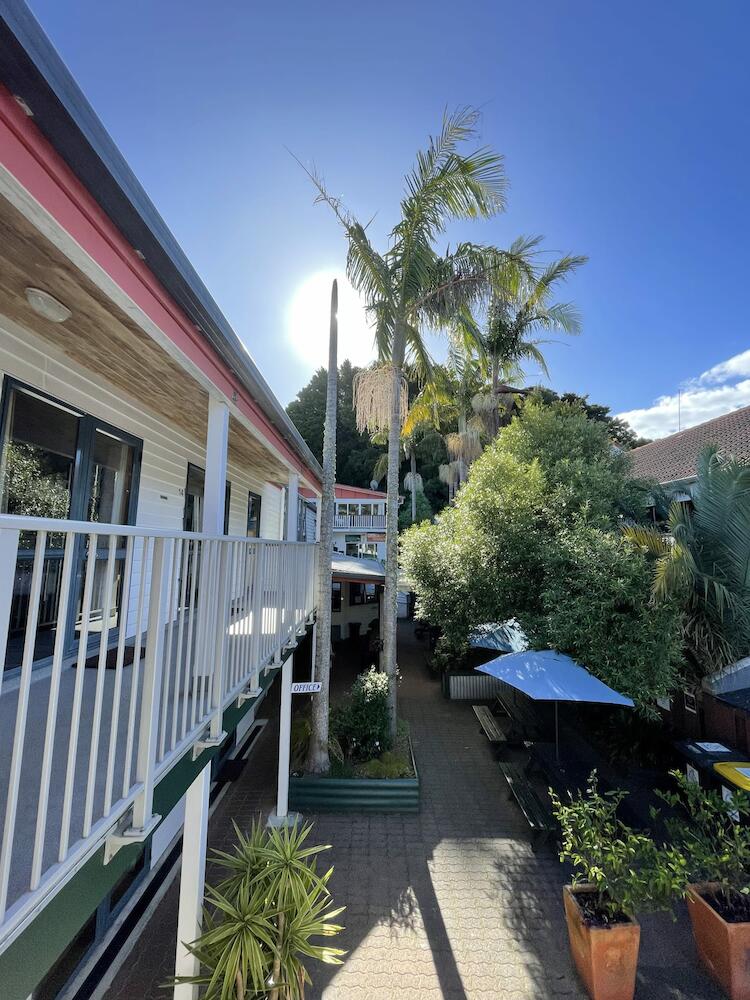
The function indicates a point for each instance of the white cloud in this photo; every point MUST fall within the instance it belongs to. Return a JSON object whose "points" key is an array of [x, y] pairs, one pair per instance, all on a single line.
{"points": [[720, 389]]}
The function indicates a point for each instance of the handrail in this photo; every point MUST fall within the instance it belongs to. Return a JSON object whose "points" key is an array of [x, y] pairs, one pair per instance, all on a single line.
{"points": [[19, 522], [211, 611]]}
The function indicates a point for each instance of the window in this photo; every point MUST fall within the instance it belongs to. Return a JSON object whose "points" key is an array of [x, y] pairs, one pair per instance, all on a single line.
{"points": [[336, 587], [194, 490], [363, 593], [253, 515], [366, 509], [61, 463]]}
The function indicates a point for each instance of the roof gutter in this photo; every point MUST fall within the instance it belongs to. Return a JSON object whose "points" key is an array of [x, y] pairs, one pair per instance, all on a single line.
{"points": [[31, 69]]}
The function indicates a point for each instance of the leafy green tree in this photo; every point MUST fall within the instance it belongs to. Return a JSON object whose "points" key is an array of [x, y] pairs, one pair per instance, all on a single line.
{"points": [[704, 563], [423, 511], [534, 535], [620, 431], [594, 606], [411, 288]]}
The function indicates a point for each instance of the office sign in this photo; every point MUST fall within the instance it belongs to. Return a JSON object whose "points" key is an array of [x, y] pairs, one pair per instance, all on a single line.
{"points": [[306, 687]]}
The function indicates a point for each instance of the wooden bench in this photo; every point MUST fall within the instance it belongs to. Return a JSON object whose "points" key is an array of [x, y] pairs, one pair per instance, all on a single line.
{"points": [[489, 725], [538, 814]]}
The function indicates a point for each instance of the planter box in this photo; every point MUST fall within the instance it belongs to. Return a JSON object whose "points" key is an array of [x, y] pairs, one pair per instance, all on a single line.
{"points": [[310, 793], [606, 957], [723, 947], [471, 686]]}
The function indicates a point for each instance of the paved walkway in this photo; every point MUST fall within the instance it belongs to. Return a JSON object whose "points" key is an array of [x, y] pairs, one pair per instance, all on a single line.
{"points": [[451, 903]]}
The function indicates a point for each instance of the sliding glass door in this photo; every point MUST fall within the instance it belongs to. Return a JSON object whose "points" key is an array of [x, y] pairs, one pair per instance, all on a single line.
{"points": [[58, 462]]}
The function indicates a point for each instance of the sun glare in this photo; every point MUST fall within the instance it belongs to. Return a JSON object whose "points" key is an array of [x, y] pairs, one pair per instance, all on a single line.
{"points": [[308, 322]]}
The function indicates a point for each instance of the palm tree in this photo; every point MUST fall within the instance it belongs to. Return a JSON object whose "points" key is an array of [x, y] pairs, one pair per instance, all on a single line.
{"points": [[411, 288], [704, 562], [317, 756], [516, 313]]}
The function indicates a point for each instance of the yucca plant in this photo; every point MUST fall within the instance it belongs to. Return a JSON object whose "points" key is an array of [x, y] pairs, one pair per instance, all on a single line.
{"points": [[260, 922], [703, 559]]}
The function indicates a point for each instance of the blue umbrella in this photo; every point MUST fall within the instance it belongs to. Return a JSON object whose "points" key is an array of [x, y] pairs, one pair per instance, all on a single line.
{"points": [[546, 675], [507, 637]]}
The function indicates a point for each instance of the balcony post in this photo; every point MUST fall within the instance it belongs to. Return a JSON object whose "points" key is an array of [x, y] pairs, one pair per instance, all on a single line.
{"points": [[152, 684], [192, 881], [214, 489], [281, 815], [292, 504]]}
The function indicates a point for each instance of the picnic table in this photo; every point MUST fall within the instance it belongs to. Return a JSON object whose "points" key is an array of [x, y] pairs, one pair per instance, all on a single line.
{"points": [[571, 772], [524, 721]]}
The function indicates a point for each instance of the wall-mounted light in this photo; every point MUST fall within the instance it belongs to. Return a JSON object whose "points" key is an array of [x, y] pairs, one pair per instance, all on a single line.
{"points": [[47, 305]]}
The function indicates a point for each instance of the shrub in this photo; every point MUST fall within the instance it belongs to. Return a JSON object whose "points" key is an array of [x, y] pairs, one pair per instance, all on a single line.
{"points": [[389, 765], [260, 920], [362, 723], [628, 872], [713, 836]]}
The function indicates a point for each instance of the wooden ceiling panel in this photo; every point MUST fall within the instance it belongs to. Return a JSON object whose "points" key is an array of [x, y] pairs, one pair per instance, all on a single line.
{"points": [[101, 338]]}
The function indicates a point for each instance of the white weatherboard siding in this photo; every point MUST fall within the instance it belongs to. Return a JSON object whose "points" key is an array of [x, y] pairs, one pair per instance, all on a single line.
{"points": [[166, 449]]}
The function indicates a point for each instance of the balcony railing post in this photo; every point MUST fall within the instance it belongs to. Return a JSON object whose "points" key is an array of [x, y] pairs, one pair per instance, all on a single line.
{"points": [[152, 674], [8, 555], [221, 619]]}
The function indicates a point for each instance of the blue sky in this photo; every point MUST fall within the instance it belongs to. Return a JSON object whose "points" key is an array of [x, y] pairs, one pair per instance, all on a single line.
{"points": [[623, 127]]}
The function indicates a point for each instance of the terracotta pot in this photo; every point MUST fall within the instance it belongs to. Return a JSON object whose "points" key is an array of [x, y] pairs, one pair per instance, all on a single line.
{"points": [[606, 957], [724, 948]]}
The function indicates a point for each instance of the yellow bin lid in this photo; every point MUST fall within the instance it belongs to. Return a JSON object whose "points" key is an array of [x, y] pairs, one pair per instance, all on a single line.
{"points": [[737, 772]]}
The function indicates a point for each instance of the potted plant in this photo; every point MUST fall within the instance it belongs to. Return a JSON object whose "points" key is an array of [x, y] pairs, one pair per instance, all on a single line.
{"points": [[260, 921], [618, 872], [713, 834]]}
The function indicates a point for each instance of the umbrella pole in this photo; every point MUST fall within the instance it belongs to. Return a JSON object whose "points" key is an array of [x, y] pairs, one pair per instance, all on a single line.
{"points": [[557, 733]]}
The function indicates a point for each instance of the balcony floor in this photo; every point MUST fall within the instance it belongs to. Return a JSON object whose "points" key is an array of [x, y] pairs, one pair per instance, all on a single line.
{"points": [[26, 822]]}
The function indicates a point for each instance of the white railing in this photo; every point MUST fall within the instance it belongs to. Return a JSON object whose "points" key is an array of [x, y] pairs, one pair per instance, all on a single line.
{"points": [[172, 628], [367, 521]]}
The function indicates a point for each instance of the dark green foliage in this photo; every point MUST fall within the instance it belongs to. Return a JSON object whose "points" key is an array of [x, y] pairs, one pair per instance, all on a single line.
{"points": [[356, 455], [424, 510], [595, 607], [362, 723], [618, 430]]}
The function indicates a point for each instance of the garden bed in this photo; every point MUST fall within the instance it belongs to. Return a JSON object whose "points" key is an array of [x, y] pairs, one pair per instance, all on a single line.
{"points": [[334, 793]]}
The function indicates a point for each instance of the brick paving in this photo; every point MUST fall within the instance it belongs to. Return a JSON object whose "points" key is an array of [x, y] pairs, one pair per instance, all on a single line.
{"points": [[451, 903]]}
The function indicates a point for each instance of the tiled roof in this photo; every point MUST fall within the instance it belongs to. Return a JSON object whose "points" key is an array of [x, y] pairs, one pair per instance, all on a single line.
{"points": [[676, 457]]}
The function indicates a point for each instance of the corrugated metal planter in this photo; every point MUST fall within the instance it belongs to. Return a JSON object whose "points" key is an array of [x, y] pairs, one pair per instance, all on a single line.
{"points": [[310, 794], [471, 686]]}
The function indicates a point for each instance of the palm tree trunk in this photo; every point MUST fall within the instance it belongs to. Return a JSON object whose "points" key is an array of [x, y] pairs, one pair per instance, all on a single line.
{"points": [[317, 756], [413, 469], [390, 597], [495, 399]]}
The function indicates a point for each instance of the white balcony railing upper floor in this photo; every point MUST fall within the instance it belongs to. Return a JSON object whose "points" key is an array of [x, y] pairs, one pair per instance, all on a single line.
{"points": [[173, 627], [360, 522]]}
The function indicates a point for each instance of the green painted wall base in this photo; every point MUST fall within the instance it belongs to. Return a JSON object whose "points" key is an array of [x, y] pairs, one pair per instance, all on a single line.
{"points": [[366, 795]]}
